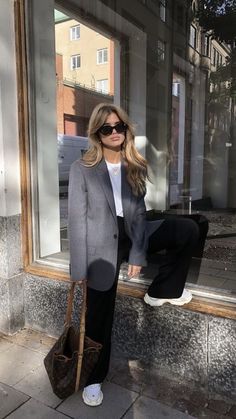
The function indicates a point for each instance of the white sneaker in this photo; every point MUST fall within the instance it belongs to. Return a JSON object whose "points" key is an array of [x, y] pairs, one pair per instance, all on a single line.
{"points": [[185, 298], [92, 395]]}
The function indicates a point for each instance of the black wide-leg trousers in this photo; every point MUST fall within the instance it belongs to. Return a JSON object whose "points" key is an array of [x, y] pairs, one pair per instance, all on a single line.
{"points": [[100, 311], [178, 236]]}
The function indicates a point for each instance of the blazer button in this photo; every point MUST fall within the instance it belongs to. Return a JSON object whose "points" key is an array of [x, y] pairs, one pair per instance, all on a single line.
{"points": [[115, 236]]}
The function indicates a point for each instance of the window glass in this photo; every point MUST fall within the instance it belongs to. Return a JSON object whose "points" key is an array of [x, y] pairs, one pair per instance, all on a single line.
{"points": [[75, 32], [162, 5], [192, 37], [102, 56], [178, 87], [75, 62], [214, 56], [206, 45], [160, 51], [102, 85]]}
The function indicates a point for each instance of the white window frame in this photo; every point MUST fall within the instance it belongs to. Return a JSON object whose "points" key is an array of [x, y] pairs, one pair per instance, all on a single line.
{"points": [[101, 52], [193, 37], [102, 83], [75, 32], [76, 58], [176, 88]]}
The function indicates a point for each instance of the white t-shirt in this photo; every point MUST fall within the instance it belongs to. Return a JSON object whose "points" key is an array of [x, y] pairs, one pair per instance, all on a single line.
{"points": [[114, 170]]}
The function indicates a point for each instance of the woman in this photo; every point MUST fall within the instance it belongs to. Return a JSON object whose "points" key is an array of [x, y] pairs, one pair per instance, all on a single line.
{"points": [[107, 224]]}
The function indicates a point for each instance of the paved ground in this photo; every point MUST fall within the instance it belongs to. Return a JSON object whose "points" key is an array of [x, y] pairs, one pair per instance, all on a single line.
{"points": [[130, 392]]}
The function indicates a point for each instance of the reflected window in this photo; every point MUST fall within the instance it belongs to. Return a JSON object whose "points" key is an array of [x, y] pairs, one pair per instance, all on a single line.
{"points": [[102, 56], [75, 33], [75, 62], [162, 7], [161, 50], [193, 37], [102, 85], [214, 56], [206, 45]]}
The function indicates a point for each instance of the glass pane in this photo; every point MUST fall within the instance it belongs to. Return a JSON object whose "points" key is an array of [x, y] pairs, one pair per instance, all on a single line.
{"points": [[80, 86], [173, 69], [202, 149]]}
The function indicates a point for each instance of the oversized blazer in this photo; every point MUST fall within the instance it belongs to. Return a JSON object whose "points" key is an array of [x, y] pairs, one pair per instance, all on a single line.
{"points": [[93, 228]]}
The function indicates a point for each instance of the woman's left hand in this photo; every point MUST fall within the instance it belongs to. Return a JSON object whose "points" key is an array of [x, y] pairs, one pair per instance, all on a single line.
{"points": [[134, 270]]}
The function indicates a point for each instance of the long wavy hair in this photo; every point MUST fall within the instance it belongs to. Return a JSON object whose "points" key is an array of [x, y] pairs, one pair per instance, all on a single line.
{"points": [[136, 165]]}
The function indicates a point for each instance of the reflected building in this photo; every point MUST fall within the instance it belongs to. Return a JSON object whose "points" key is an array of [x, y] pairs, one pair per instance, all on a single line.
{"points": [[85, 73], [199, 164]]}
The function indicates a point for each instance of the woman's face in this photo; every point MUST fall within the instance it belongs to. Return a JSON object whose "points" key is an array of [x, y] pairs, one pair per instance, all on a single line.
{"points": [[113, 140]]}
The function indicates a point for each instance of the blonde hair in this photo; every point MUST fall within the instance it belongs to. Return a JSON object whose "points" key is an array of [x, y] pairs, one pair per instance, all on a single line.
{"points": [[136, 165]]}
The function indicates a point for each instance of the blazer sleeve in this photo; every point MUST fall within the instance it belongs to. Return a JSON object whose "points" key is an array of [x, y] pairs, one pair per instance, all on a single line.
{"points": [[77, 223], [137, 255]]}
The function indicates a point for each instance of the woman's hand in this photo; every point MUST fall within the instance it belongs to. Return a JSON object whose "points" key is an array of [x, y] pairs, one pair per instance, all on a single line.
{"points": [[134, 270]]}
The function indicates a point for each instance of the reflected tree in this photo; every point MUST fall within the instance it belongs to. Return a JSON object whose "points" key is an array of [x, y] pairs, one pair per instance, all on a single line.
{"points": [[218, 18]]}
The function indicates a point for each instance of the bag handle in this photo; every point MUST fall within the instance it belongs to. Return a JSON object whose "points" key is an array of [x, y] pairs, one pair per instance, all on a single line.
{"points": [[70, 300], [81, 336], [82, 324]]}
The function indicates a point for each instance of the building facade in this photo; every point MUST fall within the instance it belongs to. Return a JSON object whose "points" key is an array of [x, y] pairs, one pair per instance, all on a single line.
{"points": [[166, 71]]}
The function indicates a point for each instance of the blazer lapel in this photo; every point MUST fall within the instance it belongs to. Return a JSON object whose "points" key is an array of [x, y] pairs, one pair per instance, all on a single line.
{"points": [[106, 185]]}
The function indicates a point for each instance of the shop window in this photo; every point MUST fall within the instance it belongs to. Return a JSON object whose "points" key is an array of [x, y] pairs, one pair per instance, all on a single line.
{"points": [[183, 119]]}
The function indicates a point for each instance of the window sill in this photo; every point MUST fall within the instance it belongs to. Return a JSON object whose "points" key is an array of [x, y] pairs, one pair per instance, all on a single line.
{"points": [[198, 304]]}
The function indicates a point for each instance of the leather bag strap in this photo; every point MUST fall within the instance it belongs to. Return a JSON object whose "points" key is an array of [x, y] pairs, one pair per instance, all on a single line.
{"points": [[70, 301], [81, 336]]}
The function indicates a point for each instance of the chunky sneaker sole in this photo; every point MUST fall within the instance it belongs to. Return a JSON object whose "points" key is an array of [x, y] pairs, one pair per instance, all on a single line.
{"points": [[92, 395], [185, 298]]}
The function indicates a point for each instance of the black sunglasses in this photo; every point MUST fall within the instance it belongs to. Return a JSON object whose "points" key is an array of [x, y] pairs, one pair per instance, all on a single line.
{"points": [[108, 129]]}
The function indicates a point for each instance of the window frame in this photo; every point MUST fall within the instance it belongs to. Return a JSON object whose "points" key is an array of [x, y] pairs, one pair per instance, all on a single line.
{"points": [[102, 50], [214, 54], [106, 91], [77, 58], [162, 10], [194, 45], [76, 38], [199, 304], [161, 51], [207, 44]]}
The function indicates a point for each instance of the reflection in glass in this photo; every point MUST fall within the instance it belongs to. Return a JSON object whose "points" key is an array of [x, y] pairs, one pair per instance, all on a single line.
{"points": [[175, 75], [202, 148], [85, 77]]}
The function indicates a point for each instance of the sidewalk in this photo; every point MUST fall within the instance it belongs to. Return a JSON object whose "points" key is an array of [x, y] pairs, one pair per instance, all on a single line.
{"points": [[130, 392]]}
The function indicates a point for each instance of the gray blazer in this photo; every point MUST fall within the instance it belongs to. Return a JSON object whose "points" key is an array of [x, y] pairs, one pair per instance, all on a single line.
{"points": [[93, 229]]}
